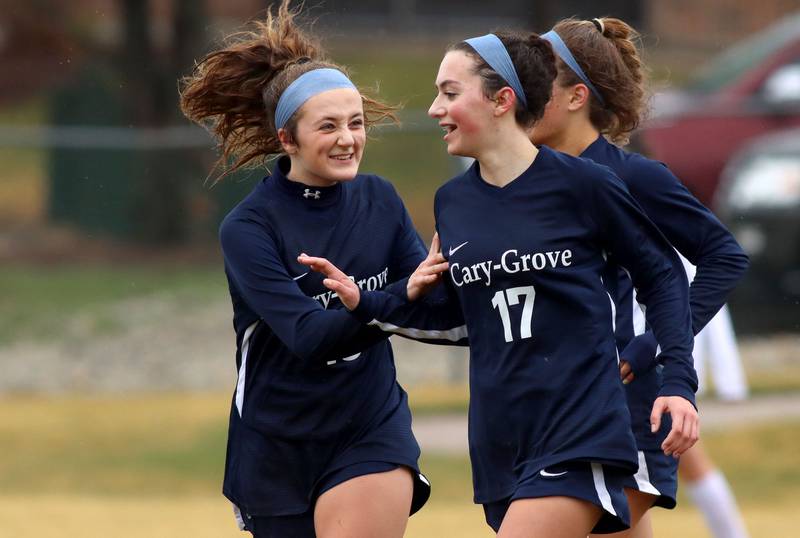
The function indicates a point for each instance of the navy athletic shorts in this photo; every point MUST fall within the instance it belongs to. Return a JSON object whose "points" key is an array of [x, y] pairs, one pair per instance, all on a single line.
{"points": [[601, 485], [302, 525], [658, 476]]}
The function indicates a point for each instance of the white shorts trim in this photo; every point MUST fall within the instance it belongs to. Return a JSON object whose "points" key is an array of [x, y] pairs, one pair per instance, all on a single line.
{"points": [[602, 490], [642, 477], [238, 515]]}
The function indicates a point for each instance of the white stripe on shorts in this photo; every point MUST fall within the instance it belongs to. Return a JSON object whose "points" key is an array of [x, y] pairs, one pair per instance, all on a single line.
{"points": [[238, 514], [642, 477], [243, 368], [602, 490]]}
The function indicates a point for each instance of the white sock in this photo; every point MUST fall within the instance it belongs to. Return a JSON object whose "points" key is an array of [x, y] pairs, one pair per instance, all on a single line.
{"points": [[714, 498]]}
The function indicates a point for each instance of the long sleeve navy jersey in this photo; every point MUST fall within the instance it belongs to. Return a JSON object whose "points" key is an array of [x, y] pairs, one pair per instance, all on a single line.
{"points": [[697, 234], [307, 367], [526, 265]]}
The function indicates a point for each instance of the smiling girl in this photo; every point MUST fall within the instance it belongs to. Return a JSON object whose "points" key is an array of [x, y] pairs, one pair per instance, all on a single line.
{"points": [[527, 232], [319, 439]]}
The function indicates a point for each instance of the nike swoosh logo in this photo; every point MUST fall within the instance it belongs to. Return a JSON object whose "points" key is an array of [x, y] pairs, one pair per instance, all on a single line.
{"points": [[550, 475], [454, 250], [300, 276]]}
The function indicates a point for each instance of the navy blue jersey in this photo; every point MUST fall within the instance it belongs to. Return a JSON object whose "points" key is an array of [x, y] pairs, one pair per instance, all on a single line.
{"points": [[526, 265], [309, 371], [697, 234]]}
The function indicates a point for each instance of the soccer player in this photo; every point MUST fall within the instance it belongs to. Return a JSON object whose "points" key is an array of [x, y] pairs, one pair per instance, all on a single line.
{"points": [[526, 232], [319, 439], [599, 96]]}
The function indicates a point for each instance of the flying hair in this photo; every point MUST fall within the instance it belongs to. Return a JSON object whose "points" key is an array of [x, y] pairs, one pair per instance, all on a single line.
{"points": [[233, 92]]}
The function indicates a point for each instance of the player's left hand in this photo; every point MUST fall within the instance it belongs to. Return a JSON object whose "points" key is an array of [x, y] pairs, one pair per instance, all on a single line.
{"points": [[335, 280], [685, 424], [626, 372]]}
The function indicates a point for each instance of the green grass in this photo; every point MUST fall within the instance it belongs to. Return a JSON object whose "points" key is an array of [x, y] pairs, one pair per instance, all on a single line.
{"points": [[155, 462], [39, 303], [176, 444]]}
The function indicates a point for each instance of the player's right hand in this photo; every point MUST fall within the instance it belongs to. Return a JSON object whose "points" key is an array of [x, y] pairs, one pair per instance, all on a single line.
{"points": [[335, 280], [429, 273]]}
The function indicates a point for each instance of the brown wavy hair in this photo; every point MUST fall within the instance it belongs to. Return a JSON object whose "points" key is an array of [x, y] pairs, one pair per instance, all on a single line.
{"points": [[612, 62], [233, 92], [534, 63]]}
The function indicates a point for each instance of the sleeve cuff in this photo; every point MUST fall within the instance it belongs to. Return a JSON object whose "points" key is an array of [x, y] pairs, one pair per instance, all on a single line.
{"points": [[672, 388], [365, 310], [640, 353]]}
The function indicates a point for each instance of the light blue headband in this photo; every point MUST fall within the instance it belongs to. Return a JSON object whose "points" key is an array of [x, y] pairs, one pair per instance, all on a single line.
{"points": [[305, 87], [560, 48], [494, 53]]}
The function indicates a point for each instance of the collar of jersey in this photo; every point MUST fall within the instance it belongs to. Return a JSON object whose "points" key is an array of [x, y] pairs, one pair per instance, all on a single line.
{"points": [[598, 145], [305, 194], [474, 174]]}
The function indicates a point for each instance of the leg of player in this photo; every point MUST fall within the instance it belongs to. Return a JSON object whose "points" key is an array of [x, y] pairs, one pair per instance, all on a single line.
{"points": [[641, 527], [369, 506], [711, 493], [549, 517]]}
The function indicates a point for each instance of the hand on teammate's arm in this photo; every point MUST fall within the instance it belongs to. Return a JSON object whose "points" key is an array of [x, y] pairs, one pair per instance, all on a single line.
{"points": [[429, 273], [685, 424], [638, 357]]}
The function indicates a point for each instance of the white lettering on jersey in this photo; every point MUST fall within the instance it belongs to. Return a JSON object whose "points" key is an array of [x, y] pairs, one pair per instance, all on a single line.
{"points": [[510, 262], [371, 283]]}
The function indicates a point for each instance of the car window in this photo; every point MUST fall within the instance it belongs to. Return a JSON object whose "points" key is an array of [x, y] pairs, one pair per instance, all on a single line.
{"points": [[736, 61]]}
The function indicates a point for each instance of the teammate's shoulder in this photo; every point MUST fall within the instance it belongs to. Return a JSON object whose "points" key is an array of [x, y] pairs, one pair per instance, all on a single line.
{"points": [[250, 210], [456, 182], [640, 170], [582, 166]]}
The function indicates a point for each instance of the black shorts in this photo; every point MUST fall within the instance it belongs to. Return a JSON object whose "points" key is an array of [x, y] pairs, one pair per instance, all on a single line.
{"points": [[658, 476], [601, 485], [302, 525]]}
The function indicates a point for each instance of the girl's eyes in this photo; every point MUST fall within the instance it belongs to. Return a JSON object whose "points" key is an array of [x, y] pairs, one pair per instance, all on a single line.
{"points": [[331, 127], [450, 95]]}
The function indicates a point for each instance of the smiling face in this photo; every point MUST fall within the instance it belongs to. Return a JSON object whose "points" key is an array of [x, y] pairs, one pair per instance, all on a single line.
{"points": [[329, 138], [461, 107]]}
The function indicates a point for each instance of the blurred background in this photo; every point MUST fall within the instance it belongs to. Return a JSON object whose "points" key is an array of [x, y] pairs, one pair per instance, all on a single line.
{"points": [[116, 345]]}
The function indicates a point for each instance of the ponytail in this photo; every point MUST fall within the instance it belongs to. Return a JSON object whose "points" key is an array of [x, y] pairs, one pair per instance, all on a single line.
{"points": [[606, 50]]}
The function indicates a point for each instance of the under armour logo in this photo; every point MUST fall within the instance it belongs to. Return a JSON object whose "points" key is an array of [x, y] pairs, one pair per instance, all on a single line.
{"points": [[312, 194]]}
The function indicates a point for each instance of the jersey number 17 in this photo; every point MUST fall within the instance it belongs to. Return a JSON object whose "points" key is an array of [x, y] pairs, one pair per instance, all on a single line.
{"points": [[511, 297]]}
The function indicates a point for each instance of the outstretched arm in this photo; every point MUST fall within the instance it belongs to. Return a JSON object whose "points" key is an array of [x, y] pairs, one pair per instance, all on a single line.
{"points": [[437, 319]]}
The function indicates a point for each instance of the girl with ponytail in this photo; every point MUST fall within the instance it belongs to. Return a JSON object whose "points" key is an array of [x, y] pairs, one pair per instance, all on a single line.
{"points": [[598, 100], [319, 440], [525, 233]]}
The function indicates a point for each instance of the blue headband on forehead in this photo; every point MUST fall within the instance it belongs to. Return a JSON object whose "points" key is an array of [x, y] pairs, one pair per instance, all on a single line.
{"points": [[561, 49], [494, 53], [305, 87]]}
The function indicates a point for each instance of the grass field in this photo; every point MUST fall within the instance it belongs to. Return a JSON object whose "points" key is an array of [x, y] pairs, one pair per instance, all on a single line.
{"points": [[151, 466]]}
